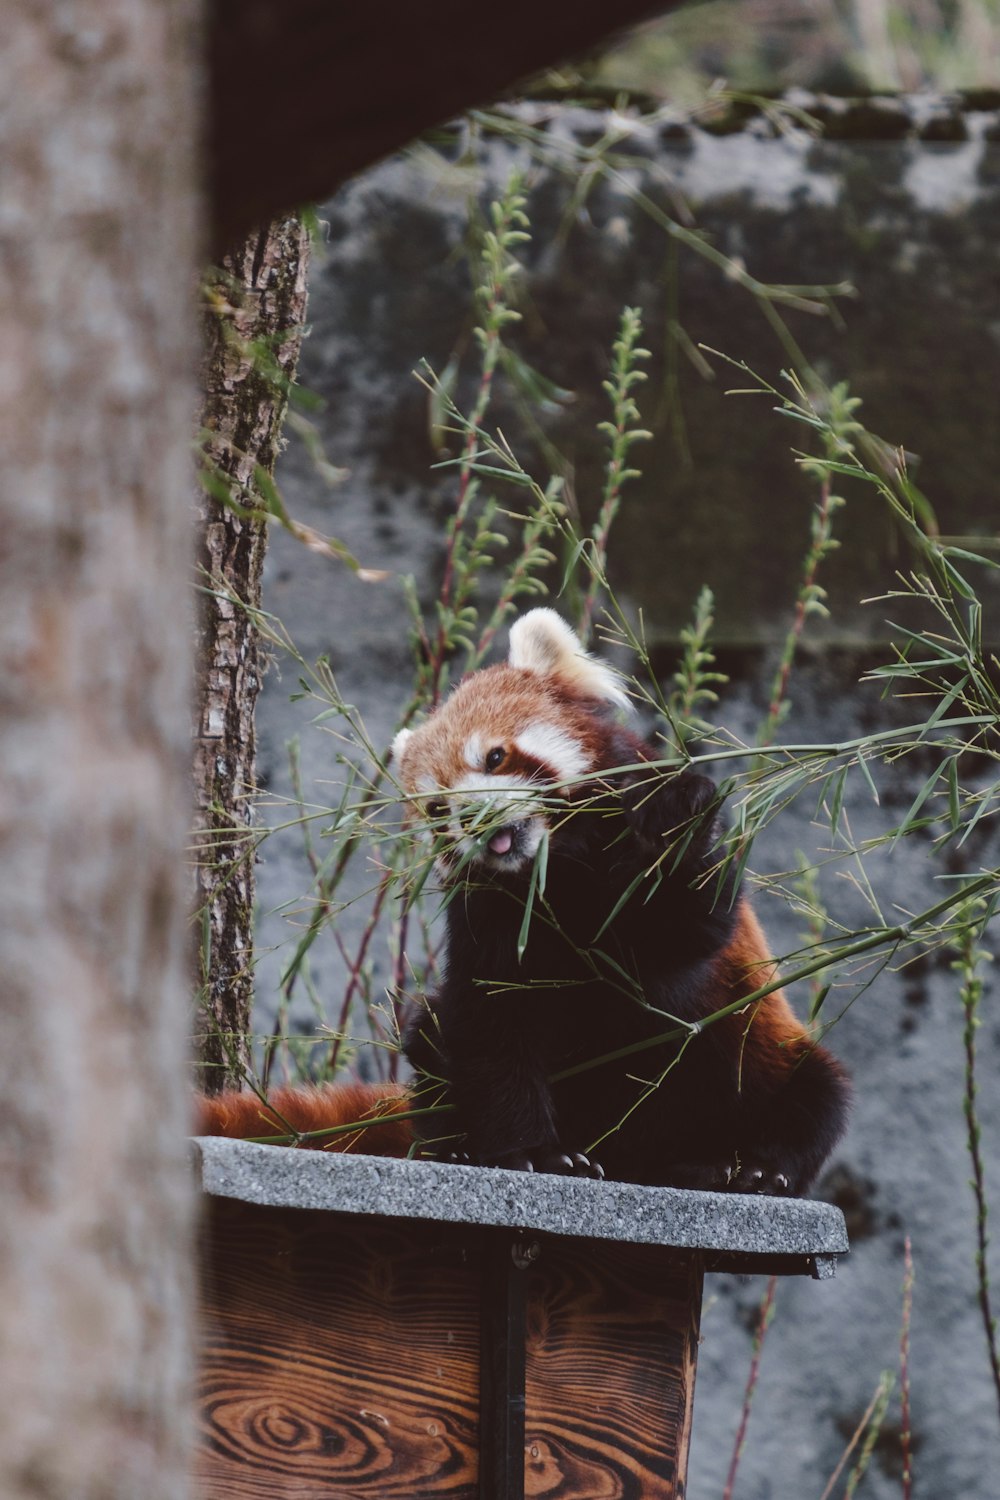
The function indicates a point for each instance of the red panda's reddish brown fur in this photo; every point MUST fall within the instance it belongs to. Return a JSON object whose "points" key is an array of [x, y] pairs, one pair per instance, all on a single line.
{"points": [[771, 1035], [242, 1116], [599, 931], [597, 934]]}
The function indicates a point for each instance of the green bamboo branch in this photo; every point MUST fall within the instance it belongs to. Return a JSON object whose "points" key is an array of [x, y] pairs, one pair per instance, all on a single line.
{"points": [[968, 965]]}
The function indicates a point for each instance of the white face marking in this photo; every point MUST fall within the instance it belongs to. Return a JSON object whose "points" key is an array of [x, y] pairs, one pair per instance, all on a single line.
{"points": [[426, 784], [494, 801], [487, 791], [554, 748], [473, 752]]}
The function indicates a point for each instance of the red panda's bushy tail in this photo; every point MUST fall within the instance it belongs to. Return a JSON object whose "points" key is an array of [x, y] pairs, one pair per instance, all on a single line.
{"points": [[322, 1107]]}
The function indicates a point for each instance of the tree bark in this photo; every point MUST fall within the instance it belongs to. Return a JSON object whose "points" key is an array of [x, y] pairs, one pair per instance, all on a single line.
{"points": [[256, 305], [97, 355]]}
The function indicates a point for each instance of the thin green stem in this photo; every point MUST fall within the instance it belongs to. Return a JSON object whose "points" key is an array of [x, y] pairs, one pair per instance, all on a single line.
{"points": [[905, 1421], [900, 933], [764, 1317], [970, 958]]}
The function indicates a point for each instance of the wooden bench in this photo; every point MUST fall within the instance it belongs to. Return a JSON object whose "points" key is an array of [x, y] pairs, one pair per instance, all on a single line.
{"points": [[381, 1328]]}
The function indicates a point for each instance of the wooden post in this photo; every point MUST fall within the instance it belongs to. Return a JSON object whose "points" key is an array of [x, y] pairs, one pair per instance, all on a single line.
{"points": [[377, 1328], [502, 1364]]}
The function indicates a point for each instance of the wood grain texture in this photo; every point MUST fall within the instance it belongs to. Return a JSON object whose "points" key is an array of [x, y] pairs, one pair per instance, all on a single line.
{"points": [[612, 1337], [339, 1358]]}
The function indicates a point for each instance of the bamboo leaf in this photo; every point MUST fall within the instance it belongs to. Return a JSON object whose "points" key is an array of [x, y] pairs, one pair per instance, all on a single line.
{"points": [[629, 890], [944, 705], [954, 810], [542, 862], [838, 799], [985, 800], [917, 804], [818, 1001], [973, 557], [522, 937], [866, 773]]}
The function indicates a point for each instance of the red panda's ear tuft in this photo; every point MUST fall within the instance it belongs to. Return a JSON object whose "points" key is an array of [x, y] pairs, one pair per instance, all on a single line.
{"points": [[398, 746], [542, 642]]}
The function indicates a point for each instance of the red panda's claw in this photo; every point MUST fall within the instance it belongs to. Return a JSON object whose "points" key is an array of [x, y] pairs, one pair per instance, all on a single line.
{"points": [[769, 1184], [584, 1167], [570, 1164], [514, 1161], [556, 1162]]}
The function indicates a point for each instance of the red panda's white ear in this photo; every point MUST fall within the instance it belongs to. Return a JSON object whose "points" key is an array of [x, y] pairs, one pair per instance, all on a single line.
{"points": [[542, 642]]}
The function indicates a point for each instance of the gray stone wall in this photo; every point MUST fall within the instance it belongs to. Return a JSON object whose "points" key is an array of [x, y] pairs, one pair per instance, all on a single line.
{"points": [[912, 219]]}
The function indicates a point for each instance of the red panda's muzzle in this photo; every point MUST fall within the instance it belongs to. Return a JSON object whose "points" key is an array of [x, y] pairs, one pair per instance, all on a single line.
{"points": [[481, 843]]}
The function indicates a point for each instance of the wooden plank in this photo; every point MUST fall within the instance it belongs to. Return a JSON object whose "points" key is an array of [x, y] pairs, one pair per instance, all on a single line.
{"points": [[340, 1358], [612, 1339], [765, 1233]]}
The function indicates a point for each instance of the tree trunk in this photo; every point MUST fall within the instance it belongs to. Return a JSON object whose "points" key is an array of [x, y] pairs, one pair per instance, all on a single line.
{"points": [[254, 322], [97, 354]]}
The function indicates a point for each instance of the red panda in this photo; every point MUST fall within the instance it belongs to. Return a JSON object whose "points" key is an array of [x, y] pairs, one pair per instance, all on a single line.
{"points": [[586, 920], [543, 798]]}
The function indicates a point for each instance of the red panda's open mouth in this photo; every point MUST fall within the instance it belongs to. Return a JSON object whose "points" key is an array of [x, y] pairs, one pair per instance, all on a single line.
{"points": [[506, 849], [502, 842], [511, 846]]}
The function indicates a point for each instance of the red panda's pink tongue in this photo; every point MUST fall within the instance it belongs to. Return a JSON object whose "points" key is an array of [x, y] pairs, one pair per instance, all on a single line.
{"points": [[501, 841]]}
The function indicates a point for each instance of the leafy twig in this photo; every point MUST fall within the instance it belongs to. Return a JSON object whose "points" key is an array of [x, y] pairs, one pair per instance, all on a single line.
{"points": [[622, 432], [763, 1323], [879, 1409], [968, 966], [905, 1422]]}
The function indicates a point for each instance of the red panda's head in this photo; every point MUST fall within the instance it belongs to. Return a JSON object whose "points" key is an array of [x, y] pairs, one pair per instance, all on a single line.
{"points": [[487, 765]]}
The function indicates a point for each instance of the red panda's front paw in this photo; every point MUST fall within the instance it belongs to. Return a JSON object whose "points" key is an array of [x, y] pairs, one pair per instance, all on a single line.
{"points": [[656, 805]]}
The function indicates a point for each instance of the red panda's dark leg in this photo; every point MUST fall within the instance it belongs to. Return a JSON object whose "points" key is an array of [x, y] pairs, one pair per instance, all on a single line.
{"points": [[500, 1111], [504, 1108], [784, 1141]]}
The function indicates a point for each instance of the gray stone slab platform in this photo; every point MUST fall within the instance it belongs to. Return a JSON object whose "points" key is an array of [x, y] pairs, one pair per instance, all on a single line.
{"points": [[738, 1232]]}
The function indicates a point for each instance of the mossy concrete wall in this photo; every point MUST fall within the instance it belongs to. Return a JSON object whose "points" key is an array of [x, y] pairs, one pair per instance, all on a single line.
{"points": [[912, 220]]}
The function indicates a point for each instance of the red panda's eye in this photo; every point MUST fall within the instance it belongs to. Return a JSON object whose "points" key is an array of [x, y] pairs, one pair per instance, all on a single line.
{"points": [[495, 757], [436, 810]]}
